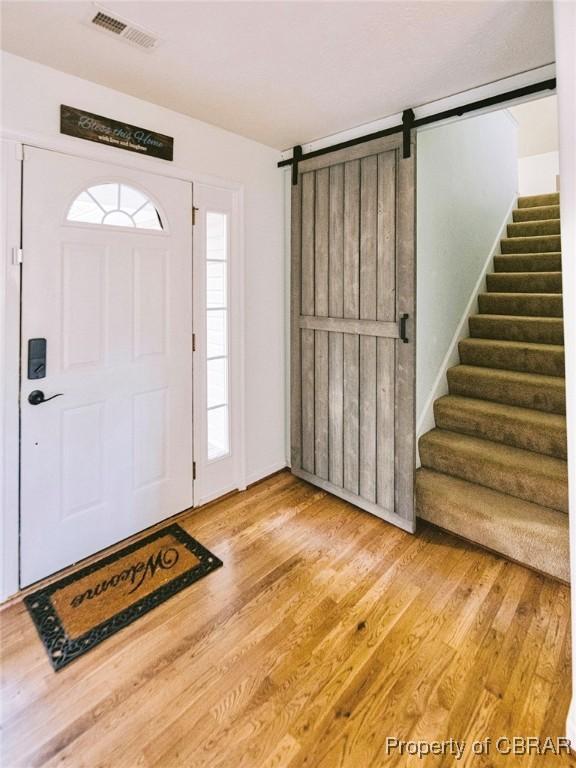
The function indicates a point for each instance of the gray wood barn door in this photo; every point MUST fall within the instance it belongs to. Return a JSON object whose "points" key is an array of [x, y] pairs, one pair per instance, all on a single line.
{"points": [[352, 376]]}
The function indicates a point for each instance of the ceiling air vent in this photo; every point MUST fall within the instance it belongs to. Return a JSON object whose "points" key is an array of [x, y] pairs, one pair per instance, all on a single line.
{"points": [[107, 22], [124, 29]]}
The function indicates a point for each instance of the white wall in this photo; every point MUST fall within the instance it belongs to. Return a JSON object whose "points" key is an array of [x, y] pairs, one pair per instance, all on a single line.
{"points": [[537, 145], [538, 174], [537, 126], [31, 98], [467, 179], [565, 28]]}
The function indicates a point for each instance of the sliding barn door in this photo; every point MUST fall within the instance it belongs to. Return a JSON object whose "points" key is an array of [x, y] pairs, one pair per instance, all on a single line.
{"points": [[353, 290]]}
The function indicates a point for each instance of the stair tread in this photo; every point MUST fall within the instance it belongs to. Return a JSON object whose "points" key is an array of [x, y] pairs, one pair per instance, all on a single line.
{"points": [[520, 304], [533, 228], [509, 354], [523, 531], [534, 222], [531, 201], [557, 382], [543, 392], [519, 294], [515, 471], [510, 412], [519, 426], [547, 261], [546, 330], [529, 318], [548, 236], [557, 349], [536, 213], [532, 283], [527, 254], [528, 275], [531, 244], [506, 455]]}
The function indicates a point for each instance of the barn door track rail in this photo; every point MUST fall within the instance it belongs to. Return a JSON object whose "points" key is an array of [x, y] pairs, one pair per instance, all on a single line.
{"points": [[409, 122]]}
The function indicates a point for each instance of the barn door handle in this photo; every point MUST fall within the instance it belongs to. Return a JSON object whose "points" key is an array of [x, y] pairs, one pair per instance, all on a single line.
{"points": [[37, 397], [403, 318]]}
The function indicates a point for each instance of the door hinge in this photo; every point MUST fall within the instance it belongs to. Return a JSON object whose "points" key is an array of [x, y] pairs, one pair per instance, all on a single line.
{"points": [[19, 152], [194, 209], [17, 256], [193, 470], [193, 342]]}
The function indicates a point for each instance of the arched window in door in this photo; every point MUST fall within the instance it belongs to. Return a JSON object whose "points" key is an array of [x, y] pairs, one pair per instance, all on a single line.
{"points": [[117, 205]]}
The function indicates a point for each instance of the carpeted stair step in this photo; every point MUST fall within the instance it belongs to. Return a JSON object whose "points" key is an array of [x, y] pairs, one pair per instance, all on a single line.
{"points": [[519, 427], [540, 330], [533, 201], [543, 244], [527, 390], [523, 304], [528, 533], [524, 474], [547, 359], [528, 262], [524, 282], [533, 228], [536, 213]]}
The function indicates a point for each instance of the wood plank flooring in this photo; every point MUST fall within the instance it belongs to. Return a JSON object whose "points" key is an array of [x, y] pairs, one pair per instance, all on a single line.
{"points": [[325, 632]]}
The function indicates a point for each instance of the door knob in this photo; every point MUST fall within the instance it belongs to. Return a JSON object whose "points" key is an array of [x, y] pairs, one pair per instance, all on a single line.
{"points": [[37, 397]]}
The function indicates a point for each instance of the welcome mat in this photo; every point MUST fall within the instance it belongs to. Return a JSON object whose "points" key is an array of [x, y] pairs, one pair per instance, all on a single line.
{"points": [[79, 611]]}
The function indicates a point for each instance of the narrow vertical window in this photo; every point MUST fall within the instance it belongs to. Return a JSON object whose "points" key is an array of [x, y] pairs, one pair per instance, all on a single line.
{"points": [[217, 334]]}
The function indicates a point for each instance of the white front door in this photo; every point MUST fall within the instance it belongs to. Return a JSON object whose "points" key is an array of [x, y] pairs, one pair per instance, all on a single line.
{"points": [[107, 283]]}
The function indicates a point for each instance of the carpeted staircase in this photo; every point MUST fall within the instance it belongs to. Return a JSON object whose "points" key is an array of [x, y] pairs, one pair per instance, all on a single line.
{"points": [[494, 469]]}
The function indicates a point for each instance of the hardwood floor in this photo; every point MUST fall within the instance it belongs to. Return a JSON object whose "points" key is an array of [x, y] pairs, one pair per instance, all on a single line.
{"points": [[325, 632]]}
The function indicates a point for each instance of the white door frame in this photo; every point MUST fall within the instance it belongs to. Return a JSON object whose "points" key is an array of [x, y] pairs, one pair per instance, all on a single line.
{"points": [[206, 492], [11, 215]]}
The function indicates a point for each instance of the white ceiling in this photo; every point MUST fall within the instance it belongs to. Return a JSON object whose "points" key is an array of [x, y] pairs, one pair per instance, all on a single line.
{"points": [[285, 73]]}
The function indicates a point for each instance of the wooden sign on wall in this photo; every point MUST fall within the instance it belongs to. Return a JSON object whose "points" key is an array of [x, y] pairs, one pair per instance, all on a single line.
{"points": [[85, 125]]}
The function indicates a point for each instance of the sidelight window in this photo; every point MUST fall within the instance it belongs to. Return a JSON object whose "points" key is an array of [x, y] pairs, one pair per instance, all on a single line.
{"points": [[218, 430]]}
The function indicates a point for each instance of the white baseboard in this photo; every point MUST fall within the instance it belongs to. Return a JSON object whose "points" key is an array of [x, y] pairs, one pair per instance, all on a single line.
{"points": [[440, 387]]}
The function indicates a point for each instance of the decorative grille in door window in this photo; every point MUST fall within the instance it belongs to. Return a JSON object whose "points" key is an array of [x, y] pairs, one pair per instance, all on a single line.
{"points": [[117, 205]]}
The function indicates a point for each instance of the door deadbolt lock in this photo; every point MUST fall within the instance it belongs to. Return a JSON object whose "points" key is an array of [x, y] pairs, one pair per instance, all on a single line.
{"points": [[36, 358]]}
